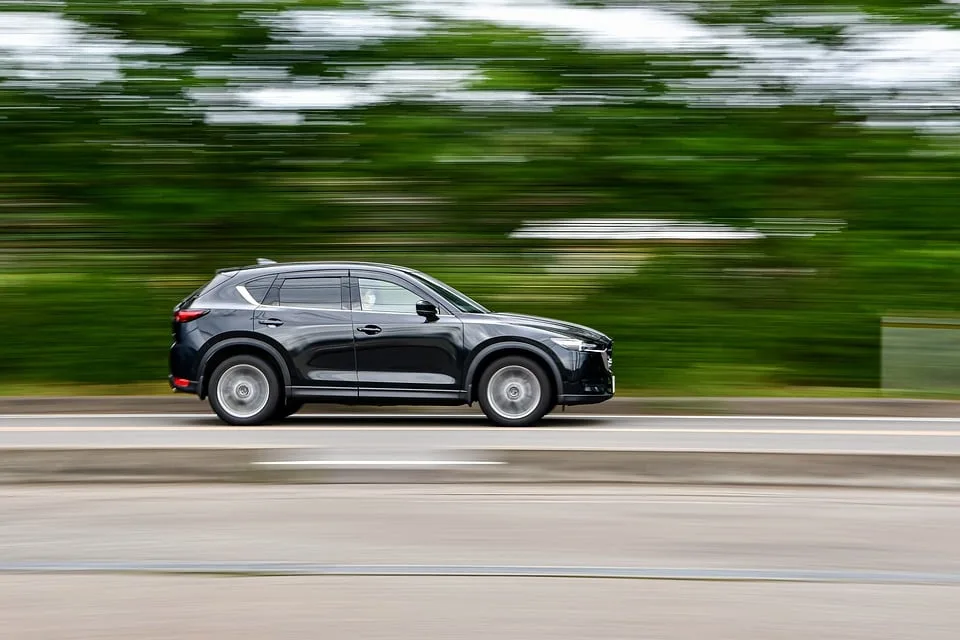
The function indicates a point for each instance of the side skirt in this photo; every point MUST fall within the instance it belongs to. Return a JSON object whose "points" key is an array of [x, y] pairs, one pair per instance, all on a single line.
{"points": [[339, 395]]}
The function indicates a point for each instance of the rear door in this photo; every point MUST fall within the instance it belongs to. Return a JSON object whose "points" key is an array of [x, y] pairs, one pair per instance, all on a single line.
{"points": [[399, 353], [308, 315]]}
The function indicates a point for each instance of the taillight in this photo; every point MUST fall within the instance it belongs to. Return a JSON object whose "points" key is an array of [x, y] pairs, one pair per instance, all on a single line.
{"points": [[186, 315]]}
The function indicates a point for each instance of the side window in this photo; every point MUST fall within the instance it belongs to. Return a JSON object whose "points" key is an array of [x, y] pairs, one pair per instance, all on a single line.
{"points": [[319, 293], [380, 295], [257, 288]]}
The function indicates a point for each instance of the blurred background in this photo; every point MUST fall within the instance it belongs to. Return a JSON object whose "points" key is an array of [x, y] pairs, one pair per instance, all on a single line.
{"points": [[751, 197]]}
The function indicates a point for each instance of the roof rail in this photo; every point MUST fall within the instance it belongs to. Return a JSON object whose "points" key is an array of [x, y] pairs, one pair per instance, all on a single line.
{"points": [[261, 262]]}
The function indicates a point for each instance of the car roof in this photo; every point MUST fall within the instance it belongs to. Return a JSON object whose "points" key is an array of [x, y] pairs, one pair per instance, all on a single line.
{"points": [[283, 267]]}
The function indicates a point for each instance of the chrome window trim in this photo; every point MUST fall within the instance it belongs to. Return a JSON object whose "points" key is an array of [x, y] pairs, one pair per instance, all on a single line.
{"points": [[396, 313], [287, 306], [242, 290]]}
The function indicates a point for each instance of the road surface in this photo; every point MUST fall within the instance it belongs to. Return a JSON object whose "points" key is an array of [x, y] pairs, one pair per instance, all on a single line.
{"points": [[760, 564], [349, 431]]}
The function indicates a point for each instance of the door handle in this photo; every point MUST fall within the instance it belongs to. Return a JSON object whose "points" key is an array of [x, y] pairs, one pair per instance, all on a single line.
{"points": [[272, 322], [370, 329]]}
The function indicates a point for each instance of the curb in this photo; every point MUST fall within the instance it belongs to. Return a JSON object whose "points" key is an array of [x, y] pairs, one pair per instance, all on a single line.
{"points": [[312, 466], [840, 407]]}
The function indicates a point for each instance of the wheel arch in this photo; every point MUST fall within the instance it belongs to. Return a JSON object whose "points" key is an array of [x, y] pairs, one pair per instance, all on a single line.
{"points": [[242, 345], [491, 352]]}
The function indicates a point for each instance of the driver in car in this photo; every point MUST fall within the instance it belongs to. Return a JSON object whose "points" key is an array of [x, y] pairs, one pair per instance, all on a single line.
{"points": [[369, 299]]}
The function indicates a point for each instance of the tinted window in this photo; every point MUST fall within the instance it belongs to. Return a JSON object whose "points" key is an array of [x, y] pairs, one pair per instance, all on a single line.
{"points": [[258, 287], [380, 295], [321, 293]]}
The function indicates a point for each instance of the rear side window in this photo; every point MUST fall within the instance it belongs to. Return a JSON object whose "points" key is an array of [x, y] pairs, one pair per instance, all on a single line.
{"points": [[258, 287], [316, 293]]}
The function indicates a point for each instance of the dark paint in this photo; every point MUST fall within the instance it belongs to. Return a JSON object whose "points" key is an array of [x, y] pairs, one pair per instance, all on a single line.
{"points": [[351, 355], [400, 353], [318, 342]]}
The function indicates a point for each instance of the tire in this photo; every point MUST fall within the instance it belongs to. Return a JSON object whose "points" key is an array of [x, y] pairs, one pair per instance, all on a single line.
{"points": [[287, 409], [515, 392], [240, 375]]}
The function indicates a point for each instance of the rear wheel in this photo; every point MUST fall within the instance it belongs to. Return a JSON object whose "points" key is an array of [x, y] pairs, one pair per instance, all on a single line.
{"points": [[244, 390], [515, 392]]}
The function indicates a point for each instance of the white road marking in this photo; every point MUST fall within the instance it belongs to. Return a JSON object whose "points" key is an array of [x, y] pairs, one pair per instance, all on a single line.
{"points": [[268, 430], [470, 416], [376, 463]]}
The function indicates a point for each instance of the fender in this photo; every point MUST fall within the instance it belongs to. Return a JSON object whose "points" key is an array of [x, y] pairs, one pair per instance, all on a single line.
{"points": [[514, 346], [246, 342]]}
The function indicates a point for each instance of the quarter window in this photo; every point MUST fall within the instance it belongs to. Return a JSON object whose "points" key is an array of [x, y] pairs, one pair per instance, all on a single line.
{"points": [[318, 293], [380, 295], [258, 287]]}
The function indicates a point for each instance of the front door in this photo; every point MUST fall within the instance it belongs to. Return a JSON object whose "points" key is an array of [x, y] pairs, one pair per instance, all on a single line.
{"points": [[399, 353], [308, 314]]}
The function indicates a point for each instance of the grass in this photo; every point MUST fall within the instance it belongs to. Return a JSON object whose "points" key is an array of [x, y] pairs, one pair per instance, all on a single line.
{"points": [[61, 389]]}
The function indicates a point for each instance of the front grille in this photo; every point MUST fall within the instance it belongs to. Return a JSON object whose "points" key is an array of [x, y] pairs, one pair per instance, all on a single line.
{"points": [[608, 360]]}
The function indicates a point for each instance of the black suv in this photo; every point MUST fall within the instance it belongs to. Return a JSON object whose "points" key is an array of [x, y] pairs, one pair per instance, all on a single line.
{"points": [[261, 341]]}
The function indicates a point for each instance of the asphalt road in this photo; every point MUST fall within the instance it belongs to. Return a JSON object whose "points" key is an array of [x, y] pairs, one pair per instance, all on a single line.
{"points": [[768, 564], [407, 431]]}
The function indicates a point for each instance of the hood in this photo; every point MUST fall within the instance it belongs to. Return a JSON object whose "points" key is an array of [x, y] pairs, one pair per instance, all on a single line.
{"points": [[556, 326]]}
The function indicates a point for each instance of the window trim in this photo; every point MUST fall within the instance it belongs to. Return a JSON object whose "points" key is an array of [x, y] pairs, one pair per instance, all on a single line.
{"points": [[247, 296]]}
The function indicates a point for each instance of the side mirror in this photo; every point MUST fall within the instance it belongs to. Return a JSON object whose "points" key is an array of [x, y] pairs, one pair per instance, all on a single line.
{"points": [[427, 309]]}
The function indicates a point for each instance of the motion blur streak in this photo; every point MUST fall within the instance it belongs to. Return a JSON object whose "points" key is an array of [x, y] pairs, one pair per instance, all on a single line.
{"points": [[470, 562], [750, 197], [739, 194], [478, 571]]}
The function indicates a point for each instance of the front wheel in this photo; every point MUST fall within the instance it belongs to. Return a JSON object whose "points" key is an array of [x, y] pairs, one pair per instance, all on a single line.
{"points": [[515, 392], [244, 390]]}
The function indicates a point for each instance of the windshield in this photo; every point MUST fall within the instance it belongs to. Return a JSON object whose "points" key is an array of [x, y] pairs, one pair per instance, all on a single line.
{"points": [[451, 295]]}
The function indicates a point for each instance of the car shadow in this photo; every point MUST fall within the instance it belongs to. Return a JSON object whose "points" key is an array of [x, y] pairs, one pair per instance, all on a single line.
{"points": [[401, 421]]}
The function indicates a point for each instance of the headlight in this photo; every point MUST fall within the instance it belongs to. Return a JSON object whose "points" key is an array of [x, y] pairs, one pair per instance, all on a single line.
{"points": [[573, 344]]}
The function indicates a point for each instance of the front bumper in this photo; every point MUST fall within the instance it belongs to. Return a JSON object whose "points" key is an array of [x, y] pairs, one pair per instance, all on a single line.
{"points": [[572, 399], [591, 381]]}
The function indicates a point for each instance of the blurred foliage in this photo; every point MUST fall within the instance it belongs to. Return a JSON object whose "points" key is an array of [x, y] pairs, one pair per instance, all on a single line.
{"points": [[118, 197]]}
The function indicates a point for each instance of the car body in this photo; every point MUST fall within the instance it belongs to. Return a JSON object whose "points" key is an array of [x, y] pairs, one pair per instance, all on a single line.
{"points": [[366, 333]]}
